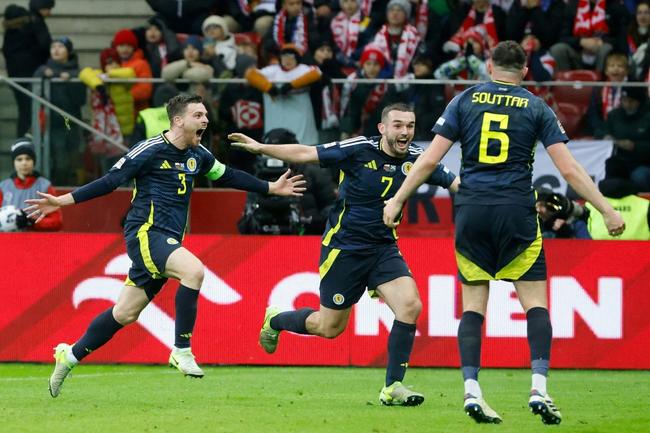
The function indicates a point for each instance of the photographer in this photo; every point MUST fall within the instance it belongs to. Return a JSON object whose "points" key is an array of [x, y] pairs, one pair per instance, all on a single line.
{"points": [[561, 217], [288, 215]]}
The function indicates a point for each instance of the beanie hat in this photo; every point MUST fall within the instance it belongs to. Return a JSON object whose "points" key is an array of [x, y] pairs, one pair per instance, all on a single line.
{"points": [[23, 146], [108, 55], [372, 53], [637, 93], [41, 4], [194, 41], [157, 22], [125, 37], [66, 42], [404, 4], [291, 49], [215, 20]]}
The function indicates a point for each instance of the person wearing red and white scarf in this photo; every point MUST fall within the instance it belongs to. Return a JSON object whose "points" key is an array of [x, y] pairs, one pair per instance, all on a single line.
{"points": [[541, 67], [360, 103], [345, 27], [290, 26], [605, 99], [398, 39], [591, 29], [480, 18]]}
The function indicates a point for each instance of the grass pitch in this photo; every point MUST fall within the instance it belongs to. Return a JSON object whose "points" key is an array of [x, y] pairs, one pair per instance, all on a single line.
{"points": [[121, 399]]}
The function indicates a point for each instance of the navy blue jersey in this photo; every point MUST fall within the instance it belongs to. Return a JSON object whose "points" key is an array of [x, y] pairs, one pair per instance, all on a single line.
{"points": [[368, 178], [498, 125], [164, 178]]}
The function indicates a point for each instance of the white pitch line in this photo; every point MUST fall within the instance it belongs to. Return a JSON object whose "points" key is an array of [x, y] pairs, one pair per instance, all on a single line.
{"points": [[88, 375]]}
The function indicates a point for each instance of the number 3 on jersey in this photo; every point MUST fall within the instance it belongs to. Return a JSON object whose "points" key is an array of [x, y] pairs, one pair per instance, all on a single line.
{"points": [[501, 137], [183, 189]]}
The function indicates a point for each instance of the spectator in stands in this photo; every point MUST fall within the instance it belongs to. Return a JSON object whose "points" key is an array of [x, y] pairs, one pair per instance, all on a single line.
{"points": [[345, 27], [65, 136], [325, 96], [539, 18], [561, 217], [292, 25], [605, 99], [629, 128], [112, 104], [125, 43], [219, 47], [638, 34], [241, 109], [190, 67], [286, 94], [23, 184], [468, 64], [482, 18], [26, 46], [182, 16], [153, 120], [159, 44], [590, 30], [622, 195], [398, 39], [541, 67], [361, 104], [427, 100], [255, 15]]}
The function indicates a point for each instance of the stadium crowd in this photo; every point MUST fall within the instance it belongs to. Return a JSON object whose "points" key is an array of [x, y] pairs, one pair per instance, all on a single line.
{"points": [[288, 51]]}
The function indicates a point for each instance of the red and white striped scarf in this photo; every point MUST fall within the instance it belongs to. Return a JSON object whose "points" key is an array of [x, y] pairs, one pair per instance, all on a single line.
{"points": [[365, 7], [104, 120], [331, 97], [372, 101], [589, 22], [299, 38], [610, 98], [409, 40], [422, 17], [486, 28], [346, 32]]}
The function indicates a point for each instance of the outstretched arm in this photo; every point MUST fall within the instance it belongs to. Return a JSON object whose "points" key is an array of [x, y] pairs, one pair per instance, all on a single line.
{"points": [[580, 181], [294, 153], [422, 169]]}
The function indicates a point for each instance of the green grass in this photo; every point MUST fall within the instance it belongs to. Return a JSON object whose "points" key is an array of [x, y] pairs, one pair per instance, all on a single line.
{"points": [[121, 399]]}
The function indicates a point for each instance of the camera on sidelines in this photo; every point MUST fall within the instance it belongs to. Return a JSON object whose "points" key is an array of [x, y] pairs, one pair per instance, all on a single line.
{"points": [[272, 214]]}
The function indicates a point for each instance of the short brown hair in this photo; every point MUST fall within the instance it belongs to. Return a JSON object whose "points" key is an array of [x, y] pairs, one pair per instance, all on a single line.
{"points": [[178, 104], [509, 55], [399, 106]]}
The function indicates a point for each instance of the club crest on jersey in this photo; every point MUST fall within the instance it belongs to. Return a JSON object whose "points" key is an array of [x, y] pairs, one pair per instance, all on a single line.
{"points": [[338, 299], [191, 164], [390, 168], [406, 167]]}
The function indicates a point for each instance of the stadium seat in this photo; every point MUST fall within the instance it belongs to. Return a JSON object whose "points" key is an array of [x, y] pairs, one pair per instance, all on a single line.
{"points": [[577, 94], [572, 117]]}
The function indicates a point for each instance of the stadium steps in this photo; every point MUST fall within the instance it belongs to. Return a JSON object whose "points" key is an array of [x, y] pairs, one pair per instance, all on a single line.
{"points": [[90, 24]]}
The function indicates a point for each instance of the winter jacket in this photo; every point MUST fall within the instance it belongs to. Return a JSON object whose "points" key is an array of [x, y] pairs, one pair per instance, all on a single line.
{"points": [[27, 40], [141, 92], [67, 95]]}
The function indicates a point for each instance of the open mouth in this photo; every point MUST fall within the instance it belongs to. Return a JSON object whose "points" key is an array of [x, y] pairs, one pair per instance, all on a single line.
{"points": [[402, 142], [199, 132]]}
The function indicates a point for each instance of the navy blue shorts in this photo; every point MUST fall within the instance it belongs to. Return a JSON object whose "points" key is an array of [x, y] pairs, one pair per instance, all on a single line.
{"points": [[345, 274], [501, 242], [149, 251]]}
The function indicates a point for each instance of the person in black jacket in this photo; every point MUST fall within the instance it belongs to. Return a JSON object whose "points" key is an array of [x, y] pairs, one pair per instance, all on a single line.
{"points": [[182, 16], [26, 46]]}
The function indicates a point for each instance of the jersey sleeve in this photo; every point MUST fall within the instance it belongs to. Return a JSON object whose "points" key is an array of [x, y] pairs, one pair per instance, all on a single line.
{"points": [[132, 164], [441, 176], [551, 129], [210, 167], [448, 125], [339, 154]]}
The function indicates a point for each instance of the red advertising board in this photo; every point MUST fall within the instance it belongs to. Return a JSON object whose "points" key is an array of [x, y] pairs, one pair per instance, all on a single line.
{"points": [[54, 284]]}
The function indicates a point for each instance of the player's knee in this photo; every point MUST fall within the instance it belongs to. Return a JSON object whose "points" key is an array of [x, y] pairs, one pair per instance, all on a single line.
{"points": [[194, 275], [332, 331], [125, 316], [410, 309]]}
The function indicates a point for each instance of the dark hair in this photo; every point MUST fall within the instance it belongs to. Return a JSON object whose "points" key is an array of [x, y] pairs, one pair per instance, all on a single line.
{"points": [[279, 136], [399, 106], [178, 104], [509, 55]]}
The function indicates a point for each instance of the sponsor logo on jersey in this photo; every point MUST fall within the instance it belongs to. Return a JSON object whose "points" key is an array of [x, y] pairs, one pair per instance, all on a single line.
{"points": [[172, 241], [165, 165], [390, 168], [406, 167], [191, 164], [119, 163], [338, 299], [372, 165]]}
